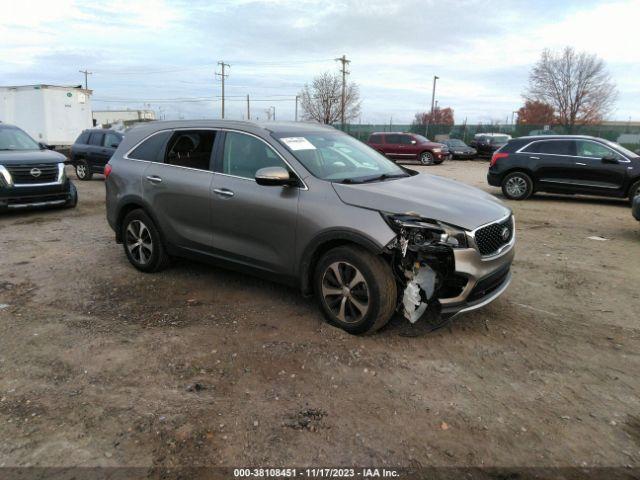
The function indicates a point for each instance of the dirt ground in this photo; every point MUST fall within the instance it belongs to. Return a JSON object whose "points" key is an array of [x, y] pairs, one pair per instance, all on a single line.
{"points": [[101, 365]]}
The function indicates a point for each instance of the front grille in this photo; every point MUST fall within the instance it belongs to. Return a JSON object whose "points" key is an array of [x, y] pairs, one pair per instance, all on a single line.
{"points": [[489, 239], [23, 174]]}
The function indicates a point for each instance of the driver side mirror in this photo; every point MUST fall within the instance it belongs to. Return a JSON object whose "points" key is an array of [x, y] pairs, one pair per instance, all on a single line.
{"points": [[274, 177], [413, 142], [609, 159]]}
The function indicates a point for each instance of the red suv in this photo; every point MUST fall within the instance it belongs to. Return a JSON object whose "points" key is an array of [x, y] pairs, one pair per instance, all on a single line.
{"points": [[409, 146]]}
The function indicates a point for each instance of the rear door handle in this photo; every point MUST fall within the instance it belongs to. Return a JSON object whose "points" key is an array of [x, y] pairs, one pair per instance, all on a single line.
{"points": [[154, 179], [583, 164], [223, 192], [534, 158]]}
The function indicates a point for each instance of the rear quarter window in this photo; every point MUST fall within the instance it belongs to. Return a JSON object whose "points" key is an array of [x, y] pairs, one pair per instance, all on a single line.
{"points": [[83, 138]]}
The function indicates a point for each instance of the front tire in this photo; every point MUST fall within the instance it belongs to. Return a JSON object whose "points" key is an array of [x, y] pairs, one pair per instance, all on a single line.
{"points": [[142, 242], [73, 199], [517, 186], [83, 170], [356, 290], [634, 191], [426, 158]]}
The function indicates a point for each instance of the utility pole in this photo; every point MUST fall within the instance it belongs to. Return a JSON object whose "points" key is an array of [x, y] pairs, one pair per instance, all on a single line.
{"points": [[86, 75], [433, 99], [248, 109], [297, 96], [345, 62], [223, 76], [274, 112]]}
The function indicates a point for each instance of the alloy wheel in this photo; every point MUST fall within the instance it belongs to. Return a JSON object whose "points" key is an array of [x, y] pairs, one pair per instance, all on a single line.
{"points": [[426, 158], [516, 186], [139, 242], [345, 292], [81, 171]]}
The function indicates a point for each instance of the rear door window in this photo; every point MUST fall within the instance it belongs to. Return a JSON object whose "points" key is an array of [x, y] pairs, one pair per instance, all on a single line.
{"points": [[552, 147], [96, 139], [152, 148], [191, 149]]}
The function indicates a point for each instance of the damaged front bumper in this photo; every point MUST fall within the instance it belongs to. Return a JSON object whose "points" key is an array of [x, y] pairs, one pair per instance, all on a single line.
{"points": [[482, 280], [440, 269]]}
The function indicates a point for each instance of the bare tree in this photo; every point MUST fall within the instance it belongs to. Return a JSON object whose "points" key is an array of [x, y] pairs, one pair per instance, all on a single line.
{"points": [[321, 101], [576, 85]]}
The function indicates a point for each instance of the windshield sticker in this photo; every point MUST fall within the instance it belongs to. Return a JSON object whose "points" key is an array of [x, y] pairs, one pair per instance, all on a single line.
{"points": [[298, 143]]}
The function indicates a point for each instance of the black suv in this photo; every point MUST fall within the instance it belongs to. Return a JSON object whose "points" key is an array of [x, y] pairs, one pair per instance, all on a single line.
{"points": [[487, 143], [571, 164], [92, 150], [31, 175]]}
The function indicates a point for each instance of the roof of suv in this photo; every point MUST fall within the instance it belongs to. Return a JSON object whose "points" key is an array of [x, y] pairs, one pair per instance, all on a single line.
{"points": [[274, 127], [557, 137]]}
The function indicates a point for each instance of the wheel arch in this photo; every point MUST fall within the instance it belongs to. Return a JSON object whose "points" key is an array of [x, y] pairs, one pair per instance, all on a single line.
{"points": [[519, 169], [128, 205], [632, 182], [323, 243]]}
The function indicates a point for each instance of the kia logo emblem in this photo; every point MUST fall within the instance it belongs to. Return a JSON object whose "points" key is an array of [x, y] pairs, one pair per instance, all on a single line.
{"points": [[35, 172], [505, 234]]}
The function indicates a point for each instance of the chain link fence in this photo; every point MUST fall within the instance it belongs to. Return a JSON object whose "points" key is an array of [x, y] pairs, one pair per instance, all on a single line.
{"points": [[626, 134]]}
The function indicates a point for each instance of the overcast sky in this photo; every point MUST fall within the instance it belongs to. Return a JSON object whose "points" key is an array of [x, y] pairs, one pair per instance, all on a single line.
{"points": [[156, 51]]}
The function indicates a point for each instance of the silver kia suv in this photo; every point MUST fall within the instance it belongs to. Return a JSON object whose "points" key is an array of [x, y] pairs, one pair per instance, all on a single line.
{"points": [[312, 207]]}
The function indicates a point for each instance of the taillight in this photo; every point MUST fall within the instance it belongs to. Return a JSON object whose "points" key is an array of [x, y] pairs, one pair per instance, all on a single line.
{"points": [[107, 170], [497, 156]]}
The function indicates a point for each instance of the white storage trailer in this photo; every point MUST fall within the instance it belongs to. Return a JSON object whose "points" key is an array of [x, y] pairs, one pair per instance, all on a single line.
{"points": [[51, 114]]}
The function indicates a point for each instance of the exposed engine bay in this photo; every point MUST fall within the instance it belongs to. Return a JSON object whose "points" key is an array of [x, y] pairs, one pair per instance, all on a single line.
{"points": [[422, 260]]}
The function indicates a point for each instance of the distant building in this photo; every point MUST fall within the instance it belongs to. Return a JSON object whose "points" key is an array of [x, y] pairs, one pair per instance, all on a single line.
{"points": [[108, 117], [51, 114]]}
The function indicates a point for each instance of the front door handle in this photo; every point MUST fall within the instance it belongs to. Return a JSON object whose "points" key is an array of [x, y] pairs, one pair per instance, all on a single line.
{"points": [[154, 179], [534, 158], [583, 164], [223, 192]]}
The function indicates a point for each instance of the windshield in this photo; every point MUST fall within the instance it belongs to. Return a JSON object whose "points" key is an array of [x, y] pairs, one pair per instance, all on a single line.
{"points": [[337, 157], [456, 143], [16, 139], [625, 151], [420, 138]]}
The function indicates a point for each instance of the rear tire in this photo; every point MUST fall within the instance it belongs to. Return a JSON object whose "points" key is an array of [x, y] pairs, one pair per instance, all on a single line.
{"points": [[517, 186], [356, 290], [142, 242], [83, 170], [426, 158], [634, 191]]}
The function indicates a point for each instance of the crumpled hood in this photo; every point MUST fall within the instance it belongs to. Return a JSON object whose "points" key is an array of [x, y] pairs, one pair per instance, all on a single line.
{"points": [[30, 156], [428, 195]]}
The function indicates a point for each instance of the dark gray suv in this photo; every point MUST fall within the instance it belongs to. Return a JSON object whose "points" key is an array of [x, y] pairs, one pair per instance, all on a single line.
{"points": [[310, 206]]}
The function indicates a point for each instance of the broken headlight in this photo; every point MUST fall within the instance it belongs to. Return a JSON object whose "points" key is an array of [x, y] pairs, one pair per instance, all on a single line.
{"points": [[420, 231]]}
